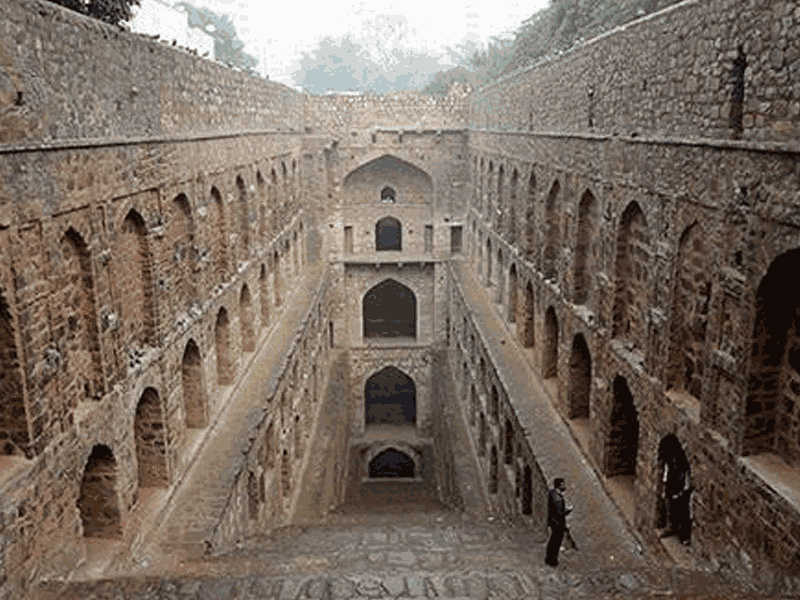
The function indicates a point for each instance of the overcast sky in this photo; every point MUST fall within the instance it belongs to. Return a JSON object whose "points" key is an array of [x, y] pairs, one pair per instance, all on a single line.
{"points": [[285, 29]]}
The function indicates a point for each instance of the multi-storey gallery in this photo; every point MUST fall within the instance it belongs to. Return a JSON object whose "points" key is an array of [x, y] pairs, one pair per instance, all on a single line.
{"points": [[240, 323]]}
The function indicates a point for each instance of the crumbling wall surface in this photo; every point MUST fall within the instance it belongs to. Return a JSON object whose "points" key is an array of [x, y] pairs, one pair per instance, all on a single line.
{"points": [[64, 76], [716, 69]]}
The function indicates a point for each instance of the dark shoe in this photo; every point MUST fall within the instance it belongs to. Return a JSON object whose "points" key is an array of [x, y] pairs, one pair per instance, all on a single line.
{"points": [[552, 564]]}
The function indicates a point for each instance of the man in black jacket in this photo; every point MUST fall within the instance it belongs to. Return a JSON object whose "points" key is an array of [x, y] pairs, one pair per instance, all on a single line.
{"points": [[557, 511]]}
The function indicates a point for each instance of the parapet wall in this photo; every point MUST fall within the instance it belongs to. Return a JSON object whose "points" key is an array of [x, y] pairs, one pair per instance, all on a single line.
{"points": [[349, 117], [63, 76], [677, 72]]}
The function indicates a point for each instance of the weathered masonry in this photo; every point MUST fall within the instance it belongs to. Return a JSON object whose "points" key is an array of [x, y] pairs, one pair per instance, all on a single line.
{"points": [[224, 303]]}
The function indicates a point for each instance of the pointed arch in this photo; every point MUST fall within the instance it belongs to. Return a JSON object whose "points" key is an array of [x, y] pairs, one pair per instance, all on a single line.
{"points": [[369, 181], [277, 278], [390, 397], [493, 470], [512, 207], [244, 218], [181, 233], [247, 331], [98, 502], [14, 431], [219, 237], [513, 304], [151, 440], [78, 329], [526, 332], [193, 387], [631, 292], [261, 191], [772, 407], [580, 379], [690, 310], [588, 219], [622, 445], [550, 350], [552, 231], [388, 234], [530, 218], [133, 268], [497, 218], [222, 344], [263, 293], [389, 309]]}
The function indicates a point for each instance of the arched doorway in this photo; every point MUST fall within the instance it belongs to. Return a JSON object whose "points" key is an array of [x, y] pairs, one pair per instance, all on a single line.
{"points": [[388, 234], [675, 488], [623, 442], [192, 386], [550, 351], [151, 441], [390, 310], [391, 463], [580, 379], [98, 503], [390, 398]]}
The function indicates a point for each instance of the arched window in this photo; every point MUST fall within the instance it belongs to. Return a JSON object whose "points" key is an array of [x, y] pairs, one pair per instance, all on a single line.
{"points": [[623, 440], [390, 397], [388, 195], [391, 463], [390, 310], [388, 234], [580, 379], [193, 387]]}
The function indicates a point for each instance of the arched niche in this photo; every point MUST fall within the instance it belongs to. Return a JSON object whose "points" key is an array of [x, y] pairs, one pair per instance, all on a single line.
{"points": [[389, 310], [388, 234], [390, 398], [410, 184]]}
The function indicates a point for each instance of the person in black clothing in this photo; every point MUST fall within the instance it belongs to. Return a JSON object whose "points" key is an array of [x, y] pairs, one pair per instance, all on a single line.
{"points": [[557, 511]]}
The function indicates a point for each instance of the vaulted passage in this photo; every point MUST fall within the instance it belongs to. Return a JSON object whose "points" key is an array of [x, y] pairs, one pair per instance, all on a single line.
{"points": [[390, 310], [222, 344], [98, 503], [391, 463], [390, 397], [133, 271]]}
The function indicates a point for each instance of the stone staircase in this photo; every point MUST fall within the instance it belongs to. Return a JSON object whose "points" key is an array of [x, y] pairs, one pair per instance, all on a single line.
{"points": [[408, 548]]}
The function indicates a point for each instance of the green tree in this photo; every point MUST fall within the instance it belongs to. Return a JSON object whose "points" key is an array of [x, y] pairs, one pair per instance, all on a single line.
{"points": [[228, 48], [110, 11]]}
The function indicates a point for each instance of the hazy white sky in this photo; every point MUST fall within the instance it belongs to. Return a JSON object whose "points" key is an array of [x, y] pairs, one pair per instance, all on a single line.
{"points": [[283, 30]]}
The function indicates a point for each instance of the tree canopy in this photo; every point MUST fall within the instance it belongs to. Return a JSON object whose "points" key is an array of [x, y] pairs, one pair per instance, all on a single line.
{"points": [[228, 48], [110, 11]]}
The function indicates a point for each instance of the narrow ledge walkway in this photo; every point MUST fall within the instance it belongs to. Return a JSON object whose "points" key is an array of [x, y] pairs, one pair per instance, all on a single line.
{"points": [[198, 505], [596, 525]]}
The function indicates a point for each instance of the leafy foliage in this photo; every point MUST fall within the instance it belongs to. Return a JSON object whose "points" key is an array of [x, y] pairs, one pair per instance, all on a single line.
{"points": [[110, 11], [475, 65], [378, 61], [228, 48], [566, 22]]}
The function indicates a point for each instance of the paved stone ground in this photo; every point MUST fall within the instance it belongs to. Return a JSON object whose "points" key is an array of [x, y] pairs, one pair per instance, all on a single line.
{"points": [[408, 549]]}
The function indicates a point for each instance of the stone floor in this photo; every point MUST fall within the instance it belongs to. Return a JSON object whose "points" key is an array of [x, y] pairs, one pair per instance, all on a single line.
{"points": [[398, 543]]}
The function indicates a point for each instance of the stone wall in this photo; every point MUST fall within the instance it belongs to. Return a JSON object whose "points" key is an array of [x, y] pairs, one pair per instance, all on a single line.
{"points": [[291, 464], [639, 279], [149, 229], [357, 118], [717, 69], [66, 77]]}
